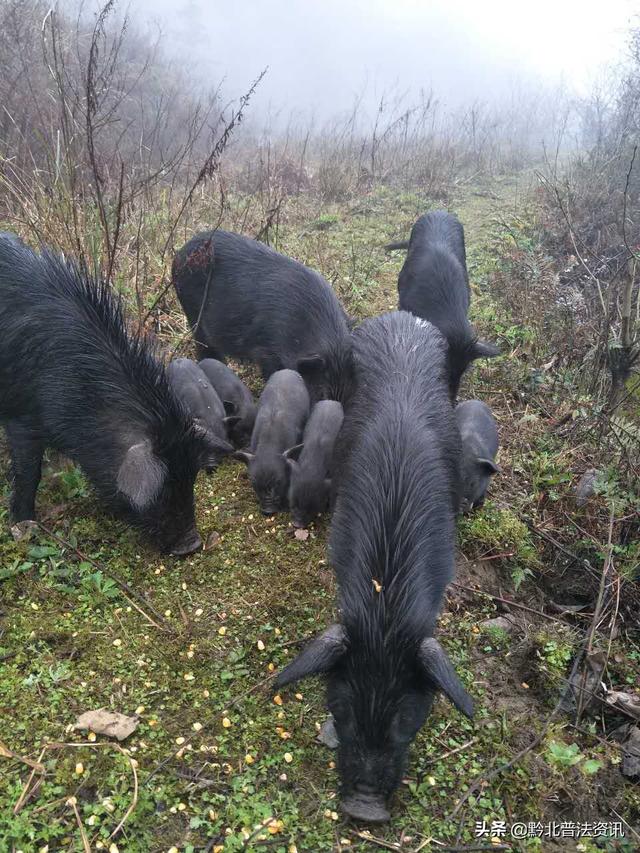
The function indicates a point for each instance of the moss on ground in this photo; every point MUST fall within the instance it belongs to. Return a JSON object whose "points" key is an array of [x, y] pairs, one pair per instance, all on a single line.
{"points": [[215, 755]]}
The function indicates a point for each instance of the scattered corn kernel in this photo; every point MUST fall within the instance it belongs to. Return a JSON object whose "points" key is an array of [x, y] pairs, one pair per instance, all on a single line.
{"points": [[117, 643], [249, 759], [222, 630], [91, 737], [180, 740], [226, 722], [197, 727], [288, 757], [79, 768], [277, 699], [260, 646]]}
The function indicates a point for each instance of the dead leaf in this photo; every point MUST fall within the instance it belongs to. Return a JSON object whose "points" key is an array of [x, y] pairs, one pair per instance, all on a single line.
{"points": [[328, 735], [301, 534], [624, 702], [107, 723], [586, 487], [585, 687], [631, 755], [212, 540]]}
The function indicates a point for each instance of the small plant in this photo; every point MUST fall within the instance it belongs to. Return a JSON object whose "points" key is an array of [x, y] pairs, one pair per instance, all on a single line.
{"points": [[553, 654], [95, 588], [496, 530], [561, 756], [73, 483], [498, 638]]}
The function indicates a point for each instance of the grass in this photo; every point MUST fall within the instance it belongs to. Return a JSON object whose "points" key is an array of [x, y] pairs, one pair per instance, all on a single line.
{"points": [[221, 764]]}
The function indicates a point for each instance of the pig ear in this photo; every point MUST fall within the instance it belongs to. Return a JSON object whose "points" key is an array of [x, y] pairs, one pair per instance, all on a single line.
{"points": [[483, 349], [214, 449], [320, 655], [293, 453], [243, 456], [310, 364], [141, 475], [438, 669], [229, 407], [490, 465]]}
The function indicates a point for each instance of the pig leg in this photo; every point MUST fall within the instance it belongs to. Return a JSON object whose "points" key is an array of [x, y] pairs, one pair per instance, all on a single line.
{"points": [[26, 450], [269, 364]]}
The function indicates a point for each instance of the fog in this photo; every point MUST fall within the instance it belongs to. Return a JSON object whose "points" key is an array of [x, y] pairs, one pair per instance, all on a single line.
{"points": [[321, 55]]}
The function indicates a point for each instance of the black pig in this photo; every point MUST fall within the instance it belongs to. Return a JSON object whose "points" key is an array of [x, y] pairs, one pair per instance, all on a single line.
{"points": [[479, 434], [311, 463], [197, 395], [433, 284], [392, 546], [73, 378], [282, 411], [255, 304], [238, 401]]}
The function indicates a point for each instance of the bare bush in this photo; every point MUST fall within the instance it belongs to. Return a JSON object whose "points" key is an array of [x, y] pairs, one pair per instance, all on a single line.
{"points": [[593, 223]]}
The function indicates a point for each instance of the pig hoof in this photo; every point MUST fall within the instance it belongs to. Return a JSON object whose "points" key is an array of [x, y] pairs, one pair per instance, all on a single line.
{"points": [[328, 735], [23, 529], [366, 807], [187, 546]]}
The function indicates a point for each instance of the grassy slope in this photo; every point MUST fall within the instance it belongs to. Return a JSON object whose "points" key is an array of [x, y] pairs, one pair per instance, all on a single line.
{"points": [[70, 641]]}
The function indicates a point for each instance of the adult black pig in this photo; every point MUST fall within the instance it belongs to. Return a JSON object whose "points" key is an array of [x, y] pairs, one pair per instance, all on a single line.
{"points": [[255, 304], [282, 411], [479, 434], [311, 463], [433, 284], [392, 546], [197, 395], [72, 377], [238, 401]]}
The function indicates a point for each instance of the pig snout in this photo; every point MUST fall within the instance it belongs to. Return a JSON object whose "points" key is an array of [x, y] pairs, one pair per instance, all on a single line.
{"points": [[299, 522], [366, 804], [187, 545]]}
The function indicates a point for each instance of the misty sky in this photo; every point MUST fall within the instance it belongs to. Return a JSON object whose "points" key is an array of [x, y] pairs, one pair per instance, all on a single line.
{"points": [[322, 53]]}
